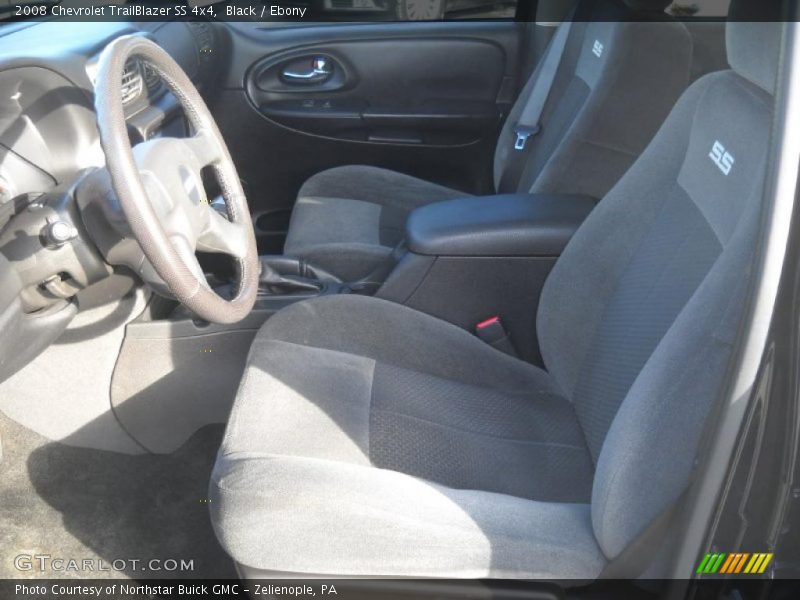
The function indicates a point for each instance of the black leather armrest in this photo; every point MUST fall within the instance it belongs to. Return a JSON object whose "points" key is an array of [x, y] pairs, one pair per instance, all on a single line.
{"points": [[504, 225]]}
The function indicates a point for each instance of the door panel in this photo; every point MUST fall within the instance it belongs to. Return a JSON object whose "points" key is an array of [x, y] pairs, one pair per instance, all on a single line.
{"points": [[406, 90], [422, 98]]}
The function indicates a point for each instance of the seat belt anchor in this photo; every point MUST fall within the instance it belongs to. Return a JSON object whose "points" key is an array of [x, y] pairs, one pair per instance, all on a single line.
{"points": [[494, 333], [523, 133]]}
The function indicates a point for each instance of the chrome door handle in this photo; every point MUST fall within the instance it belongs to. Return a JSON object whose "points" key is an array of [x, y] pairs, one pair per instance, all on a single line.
{"points": [[321, 70]]}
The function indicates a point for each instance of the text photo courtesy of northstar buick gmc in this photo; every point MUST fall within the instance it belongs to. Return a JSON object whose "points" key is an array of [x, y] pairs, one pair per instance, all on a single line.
{"points": [[412, 291]]}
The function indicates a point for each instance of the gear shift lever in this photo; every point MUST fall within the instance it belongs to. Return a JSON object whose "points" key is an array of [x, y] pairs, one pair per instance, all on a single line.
{"points": [[278, 283]]}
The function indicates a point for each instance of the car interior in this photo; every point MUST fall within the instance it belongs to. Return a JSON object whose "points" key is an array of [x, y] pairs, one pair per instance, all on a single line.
{"points": [[451, 298]]}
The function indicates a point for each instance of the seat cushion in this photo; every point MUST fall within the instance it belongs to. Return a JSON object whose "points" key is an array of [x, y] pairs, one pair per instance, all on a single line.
{"points": [[351, 453], [348, 219]]}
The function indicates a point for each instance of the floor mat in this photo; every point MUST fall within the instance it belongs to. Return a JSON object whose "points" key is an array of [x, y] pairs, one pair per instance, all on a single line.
{"points": [[106, 510], [76, 370]]}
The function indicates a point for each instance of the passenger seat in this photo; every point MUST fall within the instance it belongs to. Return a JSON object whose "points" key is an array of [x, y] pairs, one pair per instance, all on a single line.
{"points": [[614, 83]]}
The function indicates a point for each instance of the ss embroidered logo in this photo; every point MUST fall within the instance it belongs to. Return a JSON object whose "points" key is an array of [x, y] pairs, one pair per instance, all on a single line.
{"points": [[723, 159], [597, 49]]}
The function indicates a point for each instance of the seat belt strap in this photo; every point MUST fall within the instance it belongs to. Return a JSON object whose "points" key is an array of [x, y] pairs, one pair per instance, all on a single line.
{"points": [[529, 124], [529, 121]]}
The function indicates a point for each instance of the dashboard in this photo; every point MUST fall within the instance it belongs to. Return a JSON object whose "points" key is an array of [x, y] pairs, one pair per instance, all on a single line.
{"points": [[48, 139], [47, 124]]}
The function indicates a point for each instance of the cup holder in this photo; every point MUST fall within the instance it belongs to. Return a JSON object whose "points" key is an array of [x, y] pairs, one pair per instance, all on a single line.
{"points": [[273, 222]]}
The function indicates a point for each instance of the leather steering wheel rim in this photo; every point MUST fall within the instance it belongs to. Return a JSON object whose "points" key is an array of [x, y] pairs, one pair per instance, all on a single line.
{"points": [[171, 264]]}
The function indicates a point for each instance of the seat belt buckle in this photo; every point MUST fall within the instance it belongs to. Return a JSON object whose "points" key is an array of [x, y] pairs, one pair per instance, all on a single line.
{"points": [[523, 132], [494, 333]]}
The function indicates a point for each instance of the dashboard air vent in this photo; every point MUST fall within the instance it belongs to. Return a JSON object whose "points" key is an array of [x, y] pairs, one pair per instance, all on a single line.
{"points": [[132, 82]]}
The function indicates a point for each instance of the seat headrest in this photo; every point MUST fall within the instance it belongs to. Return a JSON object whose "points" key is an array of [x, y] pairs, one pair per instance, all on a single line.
{"points": [[648, 5], [753, 40]]}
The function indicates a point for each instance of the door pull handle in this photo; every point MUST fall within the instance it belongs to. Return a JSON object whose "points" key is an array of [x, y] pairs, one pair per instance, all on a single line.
{"points": [[321, 70]]}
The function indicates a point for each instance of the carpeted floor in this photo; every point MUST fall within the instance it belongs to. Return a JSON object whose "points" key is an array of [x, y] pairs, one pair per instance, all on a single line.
{"points": [[76, 503]]}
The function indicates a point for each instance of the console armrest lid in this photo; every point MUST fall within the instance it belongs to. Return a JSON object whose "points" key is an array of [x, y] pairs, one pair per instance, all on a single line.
{"points": [[502, 225]]}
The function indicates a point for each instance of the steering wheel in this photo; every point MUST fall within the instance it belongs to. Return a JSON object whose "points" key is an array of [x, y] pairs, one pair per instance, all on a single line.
{"points": [[159, 187]]}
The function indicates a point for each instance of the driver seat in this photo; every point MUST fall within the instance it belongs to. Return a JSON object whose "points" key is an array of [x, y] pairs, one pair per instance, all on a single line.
{"points": [[368, 439]]}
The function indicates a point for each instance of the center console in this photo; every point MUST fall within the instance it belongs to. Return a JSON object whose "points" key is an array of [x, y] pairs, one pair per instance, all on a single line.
{"points": [[475, 258]]}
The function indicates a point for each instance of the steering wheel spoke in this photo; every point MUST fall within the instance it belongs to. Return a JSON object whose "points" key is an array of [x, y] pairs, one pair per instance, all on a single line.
{"points": [[221, 236], [205, 148], [184, 249]]}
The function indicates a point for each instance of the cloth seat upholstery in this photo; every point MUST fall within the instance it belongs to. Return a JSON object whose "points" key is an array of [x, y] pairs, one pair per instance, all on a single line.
{"points": [[370, 439]]}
